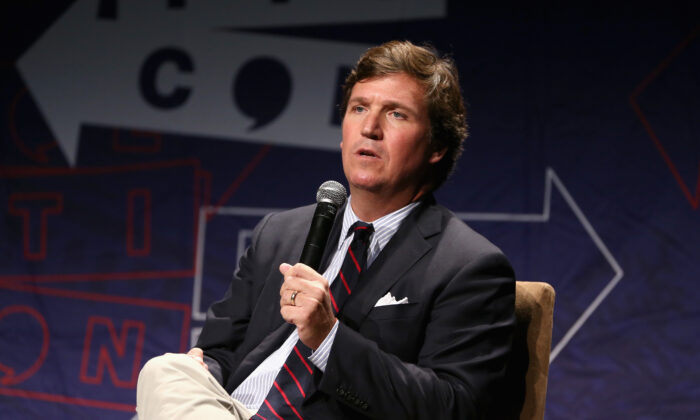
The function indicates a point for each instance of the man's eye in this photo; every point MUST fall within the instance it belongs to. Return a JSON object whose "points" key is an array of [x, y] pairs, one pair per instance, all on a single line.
{"points": [[398, 115], [358, 108]]}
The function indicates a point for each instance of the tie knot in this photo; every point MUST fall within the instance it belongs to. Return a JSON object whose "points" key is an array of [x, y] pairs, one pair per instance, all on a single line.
{"points": [[362, 231]]}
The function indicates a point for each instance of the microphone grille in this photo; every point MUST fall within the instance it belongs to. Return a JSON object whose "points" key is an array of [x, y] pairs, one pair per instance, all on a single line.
{"points": [[331, 192]]}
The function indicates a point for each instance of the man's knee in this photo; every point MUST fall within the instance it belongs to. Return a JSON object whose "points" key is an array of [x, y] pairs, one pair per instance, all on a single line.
{"points": [[157, 366], [174, 384]]}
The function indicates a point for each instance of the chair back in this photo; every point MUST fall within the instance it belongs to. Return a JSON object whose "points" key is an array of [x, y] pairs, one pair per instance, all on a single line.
{"points": [[526, 374], [534, 311]]}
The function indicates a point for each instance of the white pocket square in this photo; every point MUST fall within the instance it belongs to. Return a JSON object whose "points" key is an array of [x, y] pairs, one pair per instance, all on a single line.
{"points": [[388, 299]]}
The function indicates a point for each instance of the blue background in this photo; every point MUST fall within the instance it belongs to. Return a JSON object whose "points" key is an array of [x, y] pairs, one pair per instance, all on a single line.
{"points": [[583, 165]]}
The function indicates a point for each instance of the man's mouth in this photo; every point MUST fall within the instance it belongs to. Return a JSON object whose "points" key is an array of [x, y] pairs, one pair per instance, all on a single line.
{"points": [[367, 153]]}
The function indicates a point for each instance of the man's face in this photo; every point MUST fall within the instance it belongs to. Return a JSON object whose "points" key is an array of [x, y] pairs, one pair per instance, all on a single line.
{"points": [[386, 129]]}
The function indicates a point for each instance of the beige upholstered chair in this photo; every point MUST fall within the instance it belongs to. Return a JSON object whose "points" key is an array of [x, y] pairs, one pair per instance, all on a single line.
{"points": [[534, 310], [529, 363]]}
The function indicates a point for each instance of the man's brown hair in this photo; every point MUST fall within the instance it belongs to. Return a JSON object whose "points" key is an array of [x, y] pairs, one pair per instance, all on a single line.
{"points": [[438, 75]]}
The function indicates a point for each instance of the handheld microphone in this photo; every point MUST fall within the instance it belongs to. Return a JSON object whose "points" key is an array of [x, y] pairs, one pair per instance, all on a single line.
{"points": [[331, 195]]}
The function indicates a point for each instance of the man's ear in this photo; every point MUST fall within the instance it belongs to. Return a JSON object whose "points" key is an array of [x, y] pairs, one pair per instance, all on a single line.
{"points": [[437, 155]]}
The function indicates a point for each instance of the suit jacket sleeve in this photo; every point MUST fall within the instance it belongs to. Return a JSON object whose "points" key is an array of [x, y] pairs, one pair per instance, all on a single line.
{"points": [[228, 319], [249, 312]]}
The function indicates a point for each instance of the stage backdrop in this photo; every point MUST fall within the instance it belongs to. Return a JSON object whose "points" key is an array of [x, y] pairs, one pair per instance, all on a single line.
{"points": [[141, 141]]}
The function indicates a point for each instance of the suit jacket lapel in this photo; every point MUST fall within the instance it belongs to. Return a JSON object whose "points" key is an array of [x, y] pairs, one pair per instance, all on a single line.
{"points": [[407, 246]]}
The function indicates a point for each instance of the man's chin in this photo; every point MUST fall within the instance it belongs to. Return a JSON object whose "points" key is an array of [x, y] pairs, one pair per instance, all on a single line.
{"points": [[365, 185]]}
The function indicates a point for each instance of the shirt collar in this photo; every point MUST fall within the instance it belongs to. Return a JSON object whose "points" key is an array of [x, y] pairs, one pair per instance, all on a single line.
{"points": [[384, 228]]}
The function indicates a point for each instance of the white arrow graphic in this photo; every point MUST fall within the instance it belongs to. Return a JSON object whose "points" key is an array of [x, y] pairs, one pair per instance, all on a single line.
{"points": [[87, 70], [551, 179]]}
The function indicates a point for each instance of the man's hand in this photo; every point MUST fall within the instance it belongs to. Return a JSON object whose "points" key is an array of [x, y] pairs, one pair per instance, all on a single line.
{"points": [[197, 354], [310, 310]]}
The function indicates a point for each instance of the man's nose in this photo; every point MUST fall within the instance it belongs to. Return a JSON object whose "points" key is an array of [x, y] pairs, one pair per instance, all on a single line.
{"points": [[371, 127]]}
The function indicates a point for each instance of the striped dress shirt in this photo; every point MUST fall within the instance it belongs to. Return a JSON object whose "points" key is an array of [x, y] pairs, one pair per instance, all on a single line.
{"points": [[252, 391]]}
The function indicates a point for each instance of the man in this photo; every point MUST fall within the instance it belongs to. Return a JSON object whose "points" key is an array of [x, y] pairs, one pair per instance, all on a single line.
{"points": [[425, 332]]}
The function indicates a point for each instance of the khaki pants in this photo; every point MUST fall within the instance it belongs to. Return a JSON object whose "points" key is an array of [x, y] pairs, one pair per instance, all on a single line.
{"points": [[174, 386]]}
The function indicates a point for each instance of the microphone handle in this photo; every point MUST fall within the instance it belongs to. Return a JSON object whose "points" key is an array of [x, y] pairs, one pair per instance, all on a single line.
{"points": [[317, 238]]}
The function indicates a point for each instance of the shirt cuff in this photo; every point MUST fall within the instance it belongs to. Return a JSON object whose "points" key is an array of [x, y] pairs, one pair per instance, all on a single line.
{"points": [[320, 356]]}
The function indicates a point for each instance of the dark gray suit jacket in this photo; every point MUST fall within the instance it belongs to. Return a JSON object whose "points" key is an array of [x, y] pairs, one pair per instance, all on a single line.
{"points": [[440, 356]]}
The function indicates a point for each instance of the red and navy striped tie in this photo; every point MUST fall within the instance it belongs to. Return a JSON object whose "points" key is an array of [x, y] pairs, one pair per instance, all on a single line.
{"points": [[295, 380]]}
